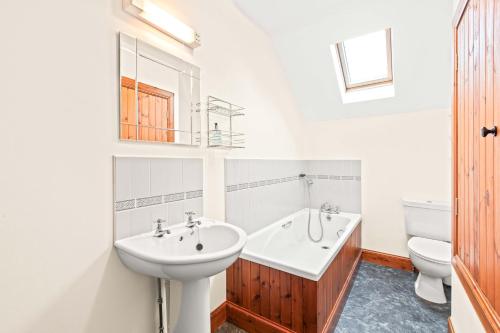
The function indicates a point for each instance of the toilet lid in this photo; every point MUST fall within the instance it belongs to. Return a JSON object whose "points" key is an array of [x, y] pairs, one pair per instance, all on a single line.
{"points": [[430, 249]]}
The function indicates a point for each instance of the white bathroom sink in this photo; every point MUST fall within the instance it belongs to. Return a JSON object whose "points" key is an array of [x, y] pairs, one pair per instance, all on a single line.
{"points": [[178, 256], [175, 256]]}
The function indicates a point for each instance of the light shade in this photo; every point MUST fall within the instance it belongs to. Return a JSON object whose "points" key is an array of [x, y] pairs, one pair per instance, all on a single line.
{"points": [[149, 12]]}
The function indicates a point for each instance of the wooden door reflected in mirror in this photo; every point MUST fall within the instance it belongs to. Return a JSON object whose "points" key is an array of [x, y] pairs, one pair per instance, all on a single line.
{"points": [[160, 95], [154, 118]]}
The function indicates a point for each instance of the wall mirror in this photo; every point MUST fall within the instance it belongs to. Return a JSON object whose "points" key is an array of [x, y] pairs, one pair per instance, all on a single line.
{"points": [[159, 95]]}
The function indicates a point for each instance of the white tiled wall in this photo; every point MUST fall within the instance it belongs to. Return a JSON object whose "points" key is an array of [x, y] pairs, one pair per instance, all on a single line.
{"points": [[147, 189], [259, 192], [338, 182], [265, 191]]}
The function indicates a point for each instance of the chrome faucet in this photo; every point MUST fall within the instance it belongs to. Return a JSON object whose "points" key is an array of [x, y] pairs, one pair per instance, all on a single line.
{"points": [[326, 207], [330, 209], [190, 222], [193, 225], [159, 231]]}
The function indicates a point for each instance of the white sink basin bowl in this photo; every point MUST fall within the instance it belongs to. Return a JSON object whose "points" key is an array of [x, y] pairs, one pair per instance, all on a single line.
{"points": [[175, 256]]}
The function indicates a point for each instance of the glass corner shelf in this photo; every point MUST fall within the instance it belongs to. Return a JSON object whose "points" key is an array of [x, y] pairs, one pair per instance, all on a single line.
{"points": [[220, 123]]}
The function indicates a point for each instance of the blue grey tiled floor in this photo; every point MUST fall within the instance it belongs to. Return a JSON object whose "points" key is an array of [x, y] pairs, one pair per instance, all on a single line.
{"points": [[383, 300], [229, 328]]}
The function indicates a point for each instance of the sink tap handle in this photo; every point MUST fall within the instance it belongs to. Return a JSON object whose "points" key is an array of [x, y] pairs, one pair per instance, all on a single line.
{"points": [[190, 223], [190, 215], [159, 231], [159, 223]]}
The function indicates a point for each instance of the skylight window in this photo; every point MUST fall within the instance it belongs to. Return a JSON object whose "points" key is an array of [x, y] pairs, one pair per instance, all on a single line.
{"points": [[366, 61]]}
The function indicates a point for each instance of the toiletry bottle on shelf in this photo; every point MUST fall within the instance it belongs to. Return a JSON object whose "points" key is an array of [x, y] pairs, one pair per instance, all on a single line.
{"points": [[216, 135]]}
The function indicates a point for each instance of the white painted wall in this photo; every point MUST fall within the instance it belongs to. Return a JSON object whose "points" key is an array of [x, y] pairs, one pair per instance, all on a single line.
{"points": [[304, 31], [404, 155], [454, 5], [59, 130]]}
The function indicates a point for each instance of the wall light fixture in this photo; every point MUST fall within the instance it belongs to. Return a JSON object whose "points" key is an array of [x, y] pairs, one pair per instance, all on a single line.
{"points": [[152, 14]]}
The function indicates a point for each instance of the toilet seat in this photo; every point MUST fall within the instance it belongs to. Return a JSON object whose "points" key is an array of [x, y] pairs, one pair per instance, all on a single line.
{"points": [[430, 249]]}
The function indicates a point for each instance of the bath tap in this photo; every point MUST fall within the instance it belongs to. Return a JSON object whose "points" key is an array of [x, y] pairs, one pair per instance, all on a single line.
{"points": [[159, 231], [330, 209], [326, 207]]}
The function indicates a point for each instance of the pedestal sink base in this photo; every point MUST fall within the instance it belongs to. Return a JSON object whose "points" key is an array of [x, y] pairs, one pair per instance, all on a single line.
{"points": [[194, 314], [178, 256]]}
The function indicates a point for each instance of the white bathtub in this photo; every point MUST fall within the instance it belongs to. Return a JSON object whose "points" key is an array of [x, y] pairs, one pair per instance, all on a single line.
{"points": [[284, 245]]}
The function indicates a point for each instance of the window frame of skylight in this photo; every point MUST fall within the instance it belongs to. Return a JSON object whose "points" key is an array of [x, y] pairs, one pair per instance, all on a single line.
{"points": [[367, 84]]}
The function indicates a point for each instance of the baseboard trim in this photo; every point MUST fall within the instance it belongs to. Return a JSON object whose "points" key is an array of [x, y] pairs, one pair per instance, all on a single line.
{"points": [[485, 311], [218, 317], [451, 329], [251, 322], [334, 316], [388, 260]]}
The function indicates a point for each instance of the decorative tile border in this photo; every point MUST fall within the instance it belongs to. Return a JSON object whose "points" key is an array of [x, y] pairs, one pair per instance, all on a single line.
{"points": [[173, 197], [231, 188], [156, 200], [124, 205], [143, 202], [335, 177], [194, 194], [244, 186]]}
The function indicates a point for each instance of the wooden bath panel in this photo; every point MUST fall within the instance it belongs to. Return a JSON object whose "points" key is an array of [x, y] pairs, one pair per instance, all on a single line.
{"points": [[263, 299]]}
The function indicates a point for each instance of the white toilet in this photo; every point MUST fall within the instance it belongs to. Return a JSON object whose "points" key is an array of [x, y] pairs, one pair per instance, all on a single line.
{"points": [[429, 225]]}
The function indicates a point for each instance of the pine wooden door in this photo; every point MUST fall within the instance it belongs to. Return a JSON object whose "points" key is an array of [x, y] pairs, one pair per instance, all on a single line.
{"points": [[476, 233]]}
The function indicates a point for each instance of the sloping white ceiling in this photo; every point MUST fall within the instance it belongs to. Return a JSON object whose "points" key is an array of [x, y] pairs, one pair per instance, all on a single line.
{"points": [[302, 32]]}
